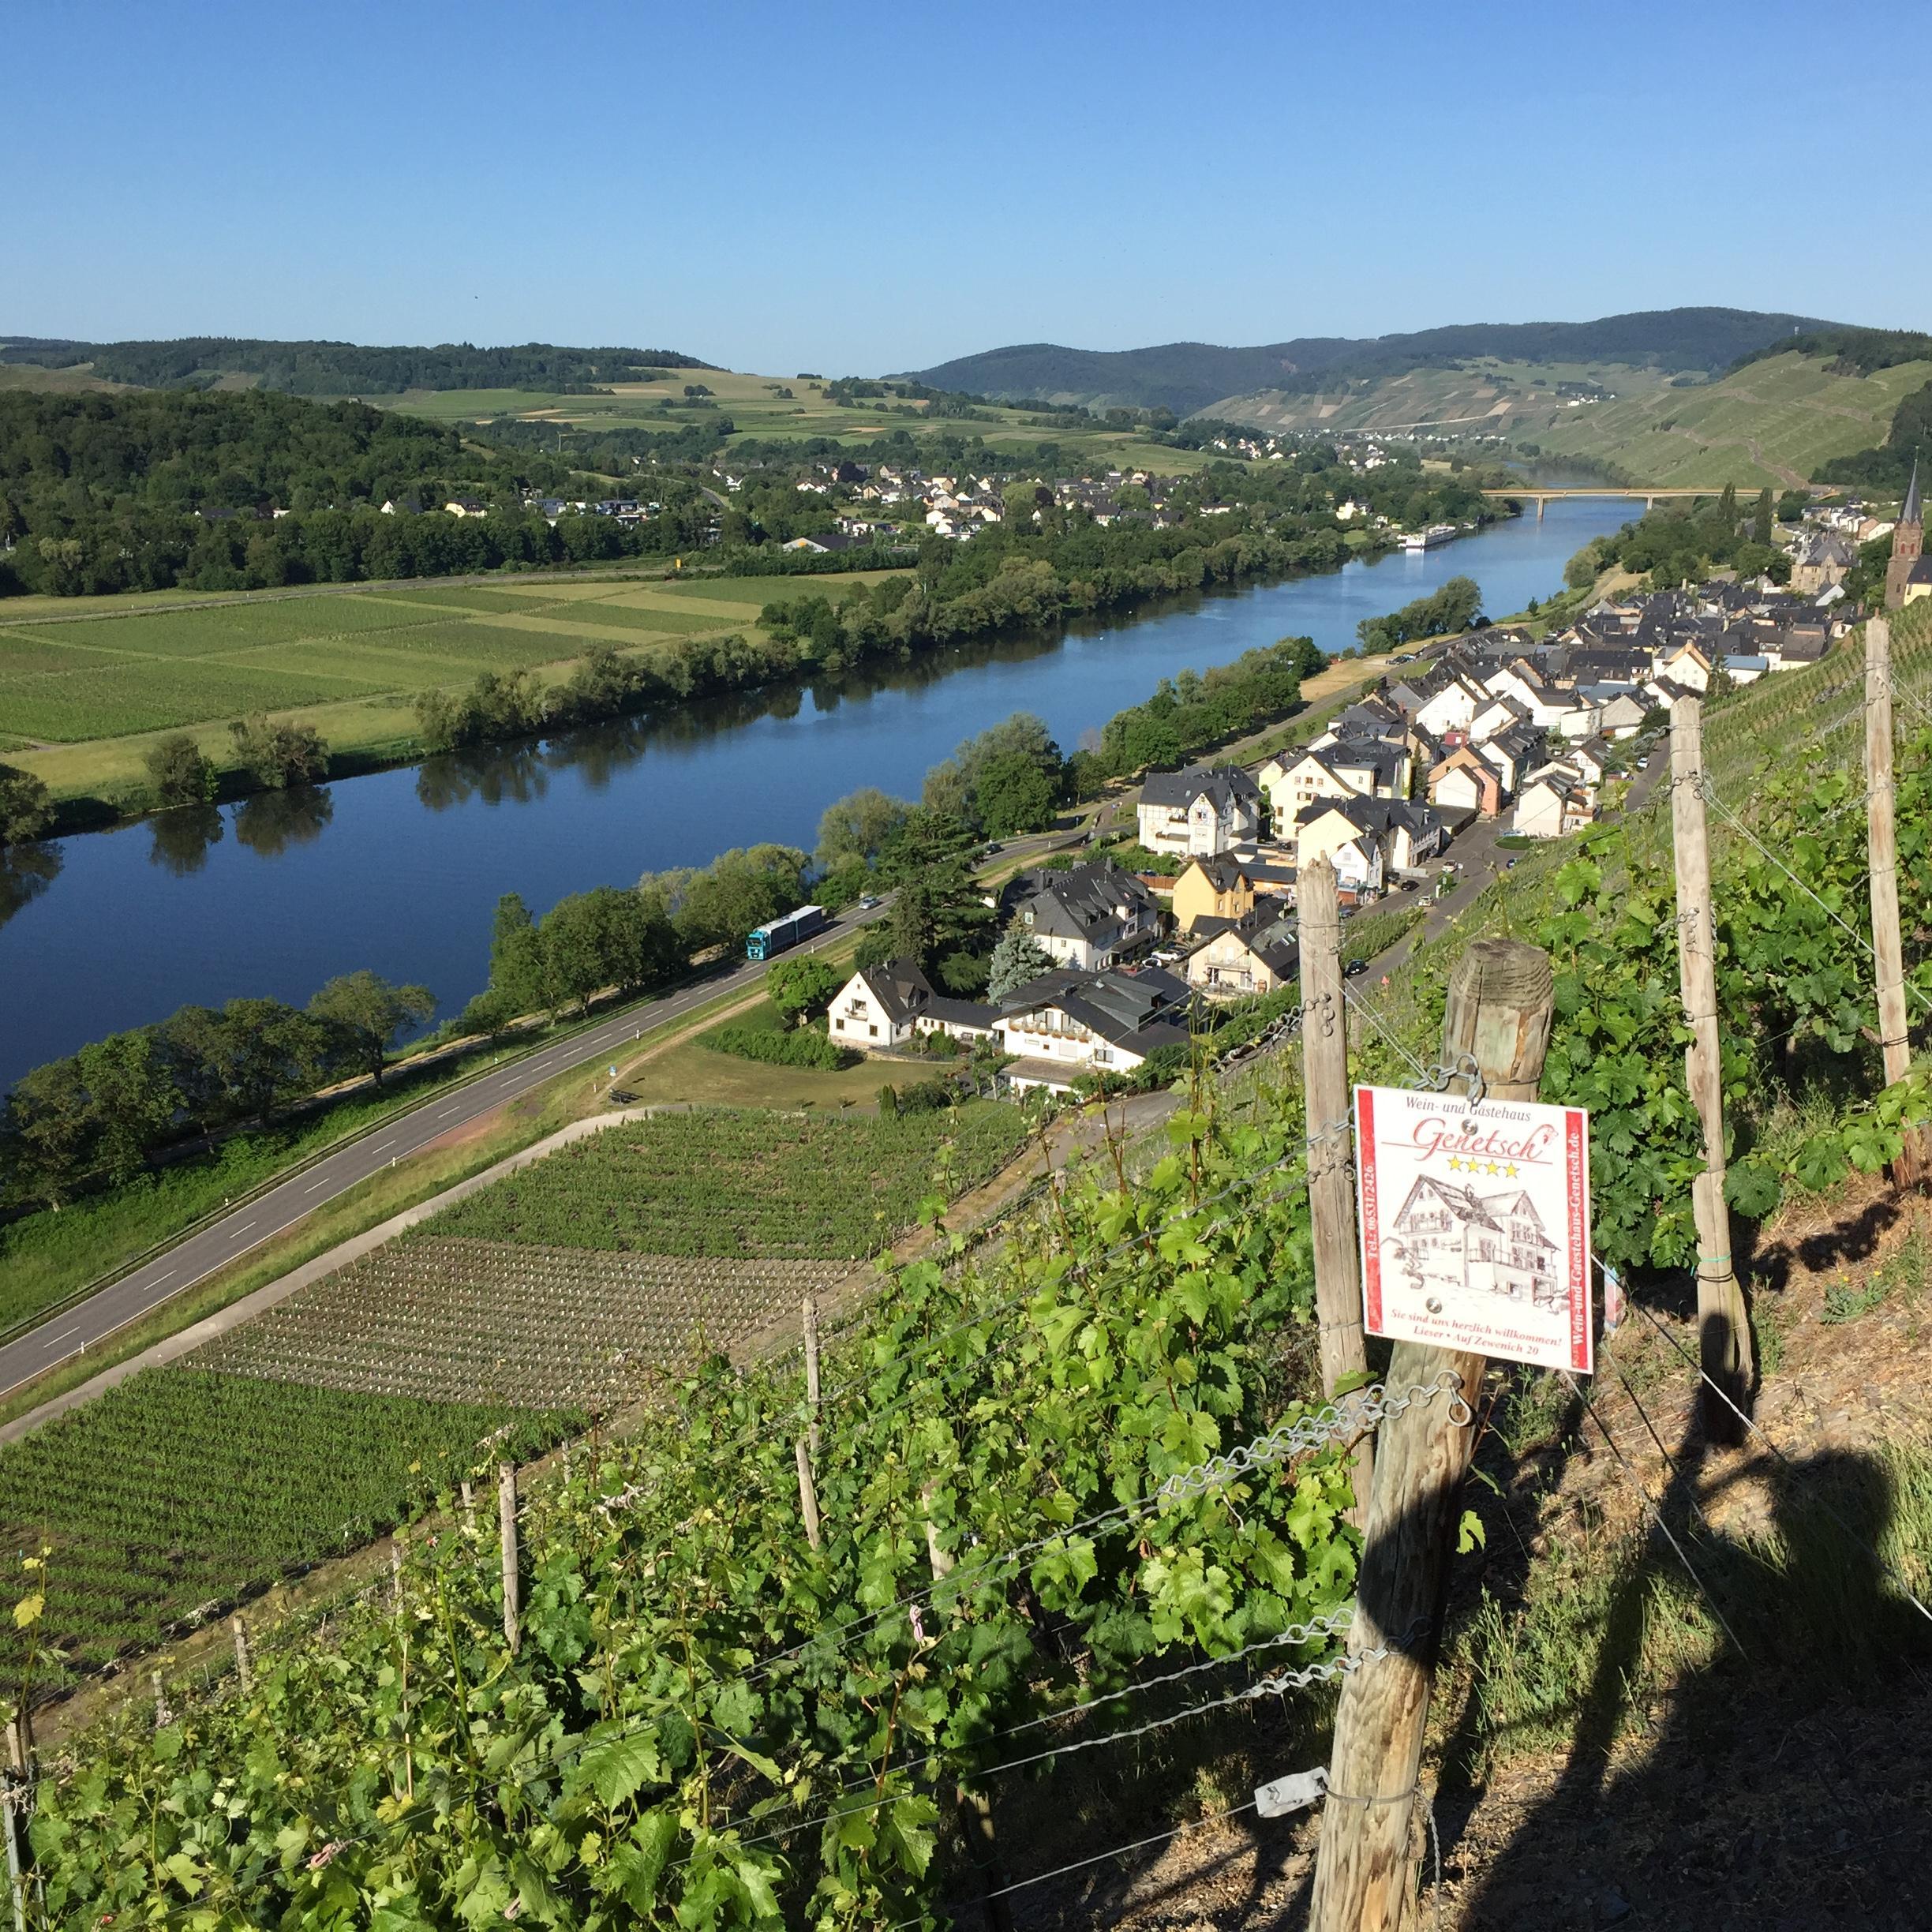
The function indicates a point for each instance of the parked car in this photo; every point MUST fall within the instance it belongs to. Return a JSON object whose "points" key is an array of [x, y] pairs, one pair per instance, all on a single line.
{"points": [[1354, 967]]}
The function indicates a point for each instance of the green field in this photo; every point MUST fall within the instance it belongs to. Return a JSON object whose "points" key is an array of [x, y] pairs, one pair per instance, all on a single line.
{"points": [[739, 1185], [182, 1489], [759, 413], [1773, 422], [80, 697]]}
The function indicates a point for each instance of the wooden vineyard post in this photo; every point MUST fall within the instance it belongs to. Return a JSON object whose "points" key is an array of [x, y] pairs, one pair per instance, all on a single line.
{"points": [[469, 1507], [163, 1716], [506, 1521], [808, 1492], [1499, 1006], [242, 1676], [809, 1318], [14, 1797], [1881, 832], [1331, 1194], [1724, 1326], [395, 1572]]}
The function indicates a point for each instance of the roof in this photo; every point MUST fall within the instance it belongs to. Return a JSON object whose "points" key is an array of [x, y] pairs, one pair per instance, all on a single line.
{"points": [[1467, 1205], [1911, 513], [1132, 1009], [1081, 902], [1224, 783], [901, 989], [960, 1012], [1222, 872]]}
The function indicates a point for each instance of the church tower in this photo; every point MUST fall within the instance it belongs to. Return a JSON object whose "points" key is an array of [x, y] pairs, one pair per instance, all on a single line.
{"points": [[1907, 540]]}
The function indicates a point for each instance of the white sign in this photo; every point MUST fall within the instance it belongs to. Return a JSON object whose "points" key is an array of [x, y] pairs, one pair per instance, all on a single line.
{"points": [[1475, 1225]]}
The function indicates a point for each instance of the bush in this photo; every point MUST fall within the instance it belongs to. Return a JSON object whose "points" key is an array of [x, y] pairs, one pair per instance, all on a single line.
{"points": [[926, 1096], [803, 1047]]}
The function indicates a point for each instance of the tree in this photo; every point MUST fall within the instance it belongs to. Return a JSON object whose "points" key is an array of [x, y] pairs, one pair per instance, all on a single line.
{"points": [[739, 889], [802, 988], [180, 773], [26, 809], [133, 1100], [859, 826], [1727, 508], [366, 1015], [518, 972], [1014, 793], [279, 754], [1018, 958], [606, 939], [915, 924], [1761, 517], [953, 787], [49, 1124]]}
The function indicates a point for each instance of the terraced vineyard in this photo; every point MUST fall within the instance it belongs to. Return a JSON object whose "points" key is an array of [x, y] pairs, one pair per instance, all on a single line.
{"points": [[740, 1185], [471, 1321], [183, 1489]]}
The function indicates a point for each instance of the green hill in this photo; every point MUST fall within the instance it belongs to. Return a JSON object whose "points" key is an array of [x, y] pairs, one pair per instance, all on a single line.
{"points": [[1186, 377], [1779, 420]]}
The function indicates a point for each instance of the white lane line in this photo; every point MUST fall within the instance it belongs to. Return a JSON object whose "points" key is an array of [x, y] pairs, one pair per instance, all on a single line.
{"points": [[244, 1228], [324, 1182], [381, 1144], [62, 1336], [159, 1278]]}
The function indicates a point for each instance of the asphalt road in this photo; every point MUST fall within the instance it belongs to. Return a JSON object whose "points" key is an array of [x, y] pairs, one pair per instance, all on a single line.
{"points": [[75, 1330]]}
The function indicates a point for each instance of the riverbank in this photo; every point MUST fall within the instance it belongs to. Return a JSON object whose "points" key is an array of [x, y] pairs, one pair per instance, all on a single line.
{"points": [[398, 873]]}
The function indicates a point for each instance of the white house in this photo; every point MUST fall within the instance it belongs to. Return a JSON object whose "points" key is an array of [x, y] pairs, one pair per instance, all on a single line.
{"points": [[1198, 812], [1089, 916], [888, 1006], [1066, 1024], [1552, 804], [1256, 954]]}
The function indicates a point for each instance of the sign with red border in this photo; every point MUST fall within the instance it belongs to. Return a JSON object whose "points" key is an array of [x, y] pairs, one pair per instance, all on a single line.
{"points": [[1475, 1225]]}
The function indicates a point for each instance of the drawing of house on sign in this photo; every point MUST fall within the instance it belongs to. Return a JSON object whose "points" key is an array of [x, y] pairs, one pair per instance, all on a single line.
{"points": [[1450, 1237]]}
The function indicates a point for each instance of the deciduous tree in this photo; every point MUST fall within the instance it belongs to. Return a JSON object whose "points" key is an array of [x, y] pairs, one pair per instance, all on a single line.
{"points": [[367, 1015]]}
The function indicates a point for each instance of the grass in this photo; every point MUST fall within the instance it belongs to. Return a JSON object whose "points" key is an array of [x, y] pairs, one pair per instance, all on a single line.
{"points": [[90, 695], [736, 1183], [184, 1487]]}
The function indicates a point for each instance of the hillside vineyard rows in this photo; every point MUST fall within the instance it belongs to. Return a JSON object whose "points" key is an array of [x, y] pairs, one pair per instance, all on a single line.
{"points": [[458, 1320], [730, 1184]]}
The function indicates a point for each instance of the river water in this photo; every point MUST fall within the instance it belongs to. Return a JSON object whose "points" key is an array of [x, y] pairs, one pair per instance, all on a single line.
{"points": [[400, 871]]}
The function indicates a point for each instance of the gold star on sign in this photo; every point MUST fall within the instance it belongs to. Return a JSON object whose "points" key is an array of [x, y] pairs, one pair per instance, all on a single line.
{"points": [[1511, 1170], [1455, 1166]]}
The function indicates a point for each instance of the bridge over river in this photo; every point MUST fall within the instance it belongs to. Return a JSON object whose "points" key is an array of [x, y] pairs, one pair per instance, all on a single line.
{"points": [[1649, 498]]}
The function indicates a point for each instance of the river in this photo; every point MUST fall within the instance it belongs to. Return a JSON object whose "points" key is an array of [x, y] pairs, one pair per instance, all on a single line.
{"points": [[399, 871]]}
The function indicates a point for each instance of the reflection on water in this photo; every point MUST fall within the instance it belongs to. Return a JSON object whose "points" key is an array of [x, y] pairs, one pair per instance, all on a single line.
{"points": [[181, 837], [26, 871], [270, 822], [398, 871]]}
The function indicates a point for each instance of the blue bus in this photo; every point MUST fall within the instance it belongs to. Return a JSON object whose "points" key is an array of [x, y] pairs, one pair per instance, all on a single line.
{"points": [[768, 941]]}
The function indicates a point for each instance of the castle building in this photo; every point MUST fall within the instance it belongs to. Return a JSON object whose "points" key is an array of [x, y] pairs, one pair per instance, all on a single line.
{"points": [[1909, 575]]}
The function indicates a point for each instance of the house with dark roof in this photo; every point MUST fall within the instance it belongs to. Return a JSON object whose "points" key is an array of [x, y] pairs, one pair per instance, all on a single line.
{"points": [[1259, 952], [1066, 1024], [1204, 809], [1088, 916], [1220, 887], [889, 1004]]}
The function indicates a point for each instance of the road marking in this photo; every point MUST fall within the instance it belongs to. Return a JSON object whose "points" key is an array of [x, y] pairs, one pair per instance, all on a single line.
{"points": [[244, 1228], [159, 1278], [323, 1183], [62, 1336], [381, 1144]]}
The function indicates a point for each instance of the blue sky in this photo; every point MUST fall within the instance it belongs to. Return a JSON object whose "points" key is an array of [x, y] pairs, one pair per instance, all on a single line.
{"points": [[861, 189]]}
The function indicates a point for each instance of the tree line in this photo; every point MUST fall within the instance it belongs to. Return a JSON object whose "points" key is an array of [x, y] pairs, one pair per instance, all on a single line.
{"points": [[1682, 543], [329, 369]]}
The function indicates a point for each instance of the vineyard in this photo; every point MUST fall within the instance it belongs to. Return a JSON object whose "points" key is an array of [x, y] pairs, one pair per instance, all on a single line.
{"points": [[1076, 1529], [733, 1185], [182, 1489], [454, 1320]]}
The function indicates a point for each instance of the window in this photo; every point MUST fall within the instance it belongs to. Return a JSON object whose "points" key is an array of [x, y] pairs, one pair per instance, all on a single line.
{"points": [[1103, 1056], [857, 1009], [872, 1032]]}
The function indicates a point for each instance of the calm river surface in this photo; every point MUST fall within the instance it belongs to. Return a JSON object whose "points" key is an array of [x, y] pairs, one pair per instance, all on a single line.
{"points": [[400, 871]]}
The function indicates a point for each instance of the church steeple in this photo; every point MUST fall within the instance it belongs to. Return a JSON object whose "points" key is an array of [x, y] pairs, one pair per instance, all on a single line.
{"points": [[1908, 540]]}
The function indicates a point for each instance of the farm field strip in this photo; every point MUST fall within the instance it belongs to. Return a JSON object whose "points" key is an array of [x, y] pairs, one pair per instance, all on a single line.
{"points": [[183, 1489], [457, 1320], [731, 1184], [117, 700]]}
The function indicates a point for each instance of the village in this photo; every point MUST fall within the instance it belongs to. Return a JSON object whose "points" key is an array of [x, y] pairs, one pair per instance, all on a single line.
{"points": [[1460, 751]]}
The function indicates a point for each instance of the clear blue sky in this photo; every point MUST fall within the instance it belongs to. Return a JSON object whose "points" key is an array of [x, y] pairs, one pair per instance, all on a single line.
{"points": [[862, 188]]}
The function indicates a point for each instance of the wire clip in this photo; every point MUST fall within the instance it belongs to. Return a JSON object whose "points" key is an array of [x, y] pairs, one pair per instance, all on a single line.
{"points": [[1296, 1793]]}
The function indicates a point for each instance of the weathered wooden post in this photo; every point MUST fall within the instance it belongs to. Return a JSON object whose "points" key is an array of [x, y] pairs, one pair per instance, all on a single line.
{"points": [[15, 1796], [1499, 1007], [243, 1675], [469, 1507], [507, 1522], [809, 1320], [395, 1574], [164, 1716], [1882, 836], [1724, 1324], [1331, 1194], [808, 1492]]}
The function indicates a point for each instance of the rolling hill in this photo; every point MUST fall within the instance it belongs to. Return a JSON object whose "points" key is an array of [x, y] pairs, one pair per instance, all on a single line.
{"points": [[1187, 377]]}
